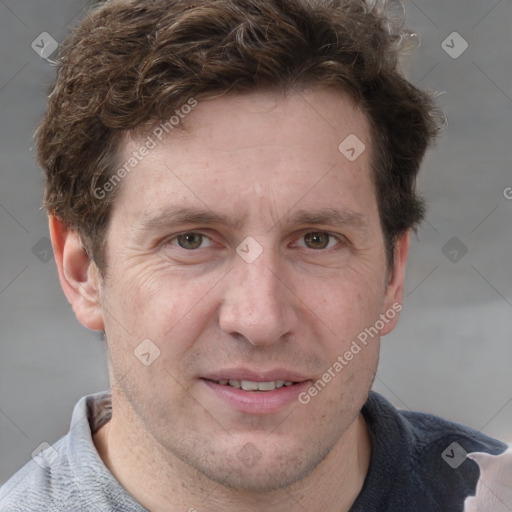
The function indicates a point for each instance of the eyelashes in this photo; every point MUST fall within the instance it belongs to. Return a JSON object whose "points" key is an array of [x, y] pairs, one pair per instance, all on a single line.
{"points": [[315, 240]]}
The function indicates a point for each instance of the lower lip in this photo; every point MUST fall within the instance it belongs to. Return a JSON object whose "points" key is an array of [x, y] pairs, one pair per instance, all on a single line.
{"points": [[257, 402]]}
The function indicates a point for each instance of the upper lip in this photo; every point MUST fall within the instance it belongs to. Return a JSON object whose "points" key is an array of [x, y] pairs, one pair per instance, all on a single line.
{"points": [[255, 376]]}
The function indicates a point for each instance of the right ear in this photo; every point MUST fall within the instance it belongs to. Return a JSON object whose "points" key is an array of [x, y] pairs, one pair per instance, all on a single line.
{"points": [[78, 274]]}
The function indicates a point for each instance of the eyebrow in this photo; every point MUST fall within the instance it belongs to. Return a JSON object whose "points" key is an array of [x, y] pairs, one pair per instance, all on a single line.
{"points": [[330, 216], [171, 216], [187, 215]]}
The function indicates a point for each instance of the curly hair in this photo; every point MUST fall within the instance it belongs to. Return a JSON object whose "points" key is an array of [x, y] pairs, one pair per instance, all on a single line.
{"points": [[131, 63]]}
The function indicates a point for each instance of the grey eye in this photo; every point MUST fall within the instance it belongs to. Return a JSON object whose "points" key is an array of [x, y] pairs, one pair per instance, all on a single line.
{"points": [[190, 241], [317, 240]]}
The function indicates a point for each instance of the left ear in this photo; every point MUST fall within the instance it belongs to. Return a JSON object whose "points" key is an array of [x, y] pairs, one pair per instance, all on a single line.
{"points": [[395, 288]]}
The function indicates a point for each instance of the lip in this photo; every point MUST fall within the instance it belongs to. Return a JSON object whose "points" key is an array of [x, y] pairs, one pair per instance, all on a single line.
{"points": [[256, 402], [256, 376]]}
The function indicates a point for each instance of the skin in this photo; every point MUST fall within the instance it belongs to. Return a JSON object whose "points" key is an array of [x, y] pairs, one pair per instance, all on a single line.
{"points": [[257, 159]]}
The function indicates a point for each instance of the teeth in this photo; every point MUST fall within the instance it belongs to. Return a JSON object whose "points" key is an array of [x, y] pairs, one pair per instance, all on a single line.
{"points": [[249, 385], [266, 386]]}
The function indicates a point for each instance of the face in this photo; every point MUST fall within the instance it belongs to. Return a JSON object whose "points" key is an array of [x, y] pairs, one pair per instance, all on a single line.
{"points": [[248, 249]]}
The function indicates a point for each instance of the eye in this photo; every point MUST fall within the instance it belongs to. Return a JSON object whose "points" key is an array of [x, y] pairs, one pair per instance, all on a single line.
{"points": [[189, 241], [319, 240]]}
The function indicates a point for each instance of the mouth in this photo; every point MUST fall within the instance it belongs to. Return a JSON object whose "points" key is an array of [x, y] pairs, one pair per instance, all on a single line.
{"points": [[250, 393], [250, 385]]}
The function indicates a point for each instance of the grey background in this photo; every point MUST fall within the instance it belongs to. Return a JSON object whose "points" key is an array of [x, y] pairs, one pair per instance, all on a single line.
{"points": [[451, 353]]}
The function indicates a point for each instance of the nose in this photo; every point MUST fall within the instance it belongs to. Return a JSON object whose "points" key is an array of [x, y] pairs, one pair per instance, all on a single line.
{"points": [[258, 304]]}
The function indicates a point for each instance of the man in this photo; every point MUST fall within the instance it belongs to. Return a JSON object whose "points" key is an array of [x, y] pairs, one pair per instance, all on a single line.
{"points": [[231, 191]]}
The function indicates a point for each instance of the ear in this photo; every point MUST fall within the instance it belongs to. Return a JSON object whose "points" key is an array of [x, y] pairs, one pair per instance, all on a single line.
{"points": [[395, 289], [78, 274]]}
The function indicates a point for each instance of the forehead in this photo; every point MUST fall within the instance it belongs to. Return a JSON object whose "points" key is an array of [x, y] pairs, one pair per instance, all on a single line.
{"points": [[260, 152]]}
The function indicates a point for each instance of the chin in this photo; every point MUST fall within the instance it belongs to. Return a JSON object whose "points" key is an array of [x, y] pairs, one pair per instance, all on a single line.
{"points": [[260, 468], [258, 480]]}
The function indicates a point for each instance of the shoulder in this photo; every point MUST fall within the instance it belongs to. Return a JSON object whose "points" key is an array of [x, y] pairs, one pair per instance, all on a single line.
{"points": [[455, 459], [45, 481], [439, 442], [70, 475], [427, 460], [425, 434], [61, 477]]}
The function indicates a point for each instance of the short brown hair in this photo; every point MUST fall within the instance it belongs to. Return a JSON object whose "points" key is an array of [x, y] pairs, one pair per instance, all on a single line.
{"points": [[130, 63]]}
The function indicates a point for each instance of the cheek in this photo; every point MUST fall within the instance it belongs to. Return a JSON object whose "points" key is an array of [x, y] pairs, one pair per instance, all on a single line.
{"points": [[347, 303], [151, 312], [160, 304]]}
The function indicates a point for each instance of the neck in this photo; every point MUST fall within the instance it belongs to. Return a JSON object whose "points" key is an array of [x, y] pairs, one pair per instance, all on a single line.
{"points": [[160, 481]]}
